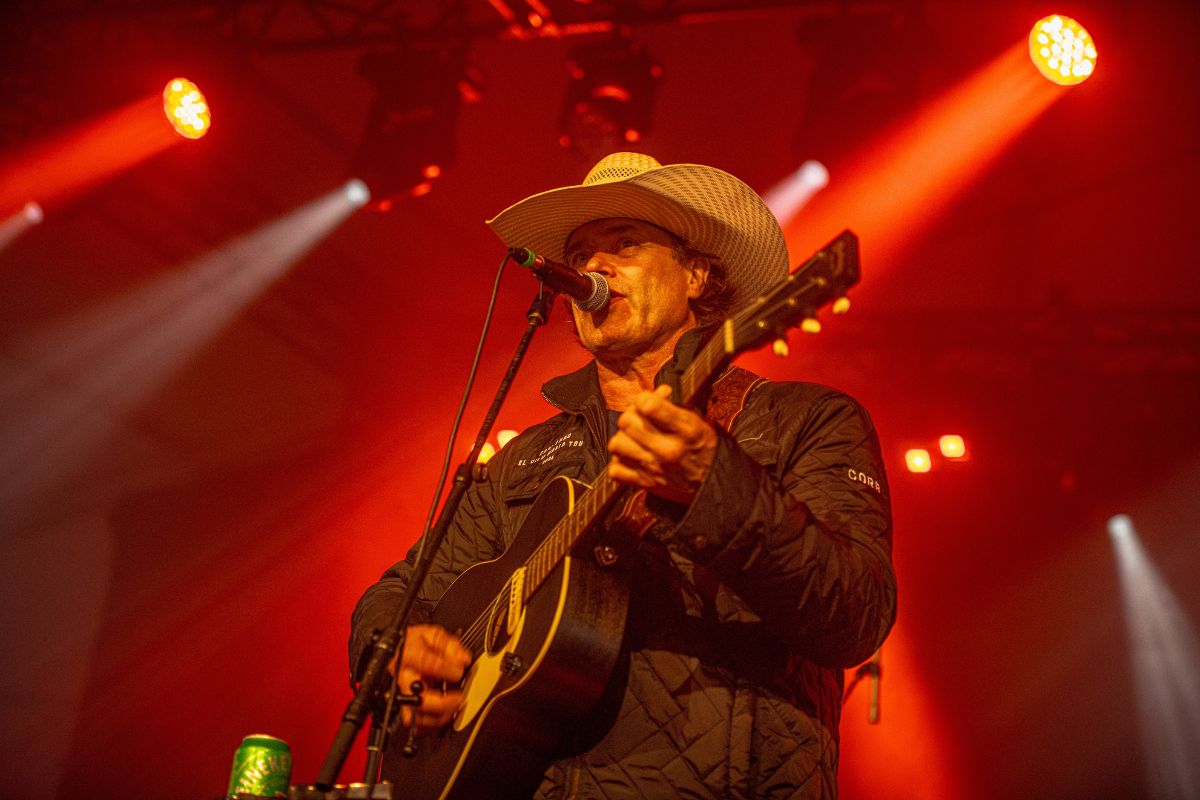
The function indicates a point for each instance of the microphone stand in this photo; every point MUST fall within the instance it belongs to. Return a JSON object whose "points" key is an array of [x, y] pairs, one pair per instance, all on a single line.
{"points": [[391, 640]]}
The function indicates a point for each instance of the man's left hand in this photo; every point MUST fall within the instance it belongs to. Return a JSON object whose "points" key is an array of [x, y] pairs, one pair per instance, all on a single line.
{"points": [[661, 447]]}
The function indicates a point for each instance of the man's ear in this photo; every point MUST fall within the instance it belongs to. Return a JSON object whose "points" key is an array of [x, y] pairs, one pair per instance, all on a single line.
{"points": [[697, 276]]}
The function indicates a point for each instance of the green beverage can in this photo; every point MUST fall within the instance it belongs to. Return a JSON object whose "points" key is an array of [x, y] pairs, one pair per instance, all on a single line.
{"points": [[261, 766]]}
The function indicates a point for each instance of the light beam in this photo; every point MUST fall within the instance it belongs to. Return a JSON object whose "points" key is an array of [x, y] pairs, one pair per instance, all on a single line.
{"points": [[16, 224], [91, 152], [71, 387], [898, 184], [1166, 668], [787, 197]]}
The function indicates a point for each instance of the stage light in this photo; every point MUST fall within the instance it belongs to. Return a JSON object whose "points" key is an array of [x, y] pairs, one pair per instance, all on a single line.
{"points": [[1062, 50], [917, 460], [13, 226], [357, 192], [1120, 526], [786, 198], [505, 436], [610, 97], [33, 213], [952, 446], [486, 453], [186, 108]]}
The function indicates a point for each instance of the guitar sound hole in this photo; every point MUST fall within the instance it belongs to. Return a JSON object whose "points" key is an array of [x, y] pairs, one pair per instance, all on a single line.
{"points": [[497, 629]]}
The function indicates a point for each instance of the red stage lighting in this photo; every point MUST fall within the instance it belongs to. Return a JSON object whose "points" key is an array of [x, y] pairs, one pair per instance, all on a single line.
{"points": [[1062, 50], [952, 446], [186, 108], [917, 460]]}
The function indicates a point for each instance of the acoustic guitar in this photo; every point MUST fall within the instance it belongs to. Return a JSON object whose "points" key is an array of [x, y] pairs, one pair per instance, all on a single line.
{"points": [[546, 618]]}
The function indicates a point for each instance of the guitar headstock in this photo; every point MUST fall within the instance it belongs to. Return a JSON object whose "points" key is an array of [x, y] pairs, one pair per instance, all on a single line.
{"points": [[793, 302]]}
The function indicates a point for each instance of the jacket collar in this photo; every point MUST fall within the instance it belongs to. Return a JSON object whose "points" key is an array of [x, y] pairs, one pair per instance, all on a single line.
{"points": [[577, 390]]}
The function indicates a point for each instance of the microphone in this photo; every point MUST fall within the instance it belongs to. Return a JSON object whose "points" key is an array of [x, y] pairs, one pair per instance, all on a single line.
{"points": [[587, 289]]}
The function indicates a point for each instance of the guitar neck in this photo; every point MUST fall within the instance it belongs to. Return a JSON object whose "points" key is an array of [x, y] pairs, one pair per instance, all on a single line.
{"points": [[569, 530]]}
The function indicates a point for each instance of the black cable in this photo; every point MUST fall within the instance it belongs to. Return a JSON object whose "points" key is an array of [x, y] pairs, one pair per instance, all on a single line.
{"points": [[439, 489]]}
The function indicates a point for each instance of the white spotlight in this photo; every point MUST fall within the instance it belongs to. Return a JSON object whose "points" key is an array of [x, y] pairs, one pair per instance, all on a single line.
{"points": [[787, 197], [1120, 526], [70, 386], [14, 225], [34, 213], [357, 192]]}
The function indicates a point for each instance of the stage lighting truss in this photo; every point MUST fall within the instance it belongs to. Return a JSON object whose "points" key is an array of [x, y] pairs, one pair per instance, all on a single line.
{"points": [[610, 97], [186, 108], [1062, 50], [409, 137]]}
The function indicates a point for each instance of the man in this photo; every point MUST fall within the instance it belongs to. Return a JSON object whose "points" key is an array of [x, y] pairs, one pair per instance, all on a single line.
{"points": [[767, 569]]}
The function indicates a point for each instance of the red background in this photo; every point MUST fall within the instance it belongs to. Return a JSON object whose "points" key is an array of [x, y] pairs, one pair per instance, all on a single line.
{"points": [[186, 579]]}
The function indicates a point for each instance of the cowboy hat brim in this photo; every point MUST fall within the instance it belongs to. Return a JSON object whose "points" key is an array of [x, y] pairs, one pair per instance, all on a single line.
{"points": [[708, 208]]}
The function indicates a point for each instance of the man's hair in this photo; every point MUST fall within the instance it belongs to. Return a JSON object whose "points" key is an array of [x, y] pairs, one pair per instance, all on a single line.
{"points": [[716, 299]]}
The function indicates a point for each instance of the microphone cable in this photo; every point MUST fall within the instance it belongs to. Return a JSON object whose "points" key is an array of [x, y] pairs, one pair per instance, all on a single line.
{"points": [[440, 488]]}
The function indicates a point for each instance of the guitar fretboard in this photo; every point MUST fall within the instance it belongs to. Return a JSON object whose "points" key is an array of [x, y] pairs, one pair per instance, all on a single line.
{"points": [[554, 548]]}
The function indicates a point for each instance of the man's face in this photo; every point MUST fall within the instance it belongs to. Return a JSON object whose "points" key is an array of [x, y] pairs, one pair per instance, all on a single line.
{"points": [[650, 288]]}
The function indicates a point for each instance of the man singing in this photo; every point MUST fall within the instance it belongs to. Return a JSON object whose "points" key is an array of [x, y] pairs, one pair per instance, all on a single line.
{"points": [[764, 569]]}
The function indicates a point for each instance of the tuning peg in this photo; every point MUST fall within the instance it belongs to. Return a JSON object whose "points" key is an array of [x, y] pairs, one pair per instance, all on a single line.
{"points": [[810, 325], [841, 305], [780, 347]]}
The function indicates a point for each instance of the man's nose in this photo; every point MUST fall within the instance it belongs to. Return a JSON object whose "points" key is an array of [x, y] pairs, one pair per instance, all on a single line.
{"points": [[600, 262]]}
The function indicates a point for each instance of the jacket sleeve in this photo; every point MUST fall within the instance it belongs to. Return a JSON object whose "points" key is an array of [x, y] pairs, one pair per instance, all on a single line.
{"points": [[806, 543], [473, 536]]}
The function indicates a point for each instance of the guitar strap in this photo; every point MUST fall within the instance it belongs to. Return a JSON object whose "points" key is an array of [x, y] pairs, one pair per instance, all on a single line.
{"points": [[728, 396]]}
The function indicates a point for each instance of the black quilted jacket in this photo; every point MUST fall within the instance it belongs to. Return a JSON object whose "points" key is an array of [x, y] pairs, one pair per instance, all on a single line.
{"points": [[745, 609]]}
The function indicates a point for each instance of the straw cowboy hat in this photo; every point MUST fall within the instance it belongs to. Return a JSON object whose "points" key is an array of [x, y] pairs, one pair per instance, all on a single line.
{"points": [[710, 209]]}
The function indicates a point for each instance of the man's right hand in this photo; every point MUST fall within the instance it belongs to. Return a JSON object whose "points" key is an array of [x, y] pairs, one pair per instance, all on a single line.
{"points": [[432, 655]]}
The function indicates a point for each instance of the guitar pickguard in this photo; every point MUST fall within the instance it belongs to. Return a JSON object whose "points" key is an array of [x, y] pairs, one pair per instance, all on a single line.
{"points": [[484, 675]]}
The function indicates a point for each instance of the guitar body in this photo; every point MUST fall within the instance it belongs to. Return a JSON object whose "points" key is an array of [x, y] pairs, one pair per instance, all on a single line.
{"points": [[540, 665]]}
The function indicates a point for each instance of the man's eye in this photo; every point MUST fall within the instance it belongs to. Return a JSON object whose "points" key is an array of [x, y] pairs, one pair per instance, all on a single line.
{"points": [[577, 259], [628, 243]]}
